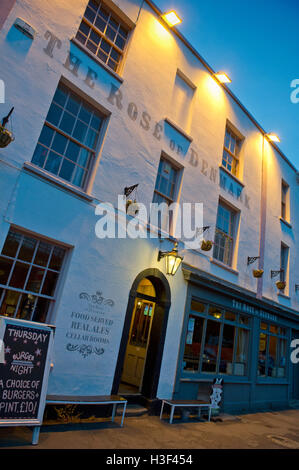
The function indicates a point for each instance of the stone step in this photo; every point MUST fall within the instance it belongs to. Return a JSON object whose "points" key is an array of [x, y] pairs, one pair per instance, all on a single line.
{"points": [[133, 410]]}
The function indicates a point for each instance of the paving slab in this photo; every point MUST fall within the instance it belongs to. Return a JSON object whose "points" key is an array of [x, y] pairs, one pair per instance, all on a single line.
{"points": [[272, 430]]}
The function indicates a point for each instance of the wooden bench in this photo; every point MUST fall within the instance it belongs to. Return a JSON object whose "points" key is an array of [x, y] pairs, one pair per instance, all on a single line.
{"points": [[186, 403], [114, 400]]}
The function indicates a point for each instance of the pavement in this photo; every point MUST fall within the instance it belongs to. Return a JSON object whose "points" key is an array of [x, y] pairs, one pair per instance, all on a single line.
{"points": [[269, 430]]}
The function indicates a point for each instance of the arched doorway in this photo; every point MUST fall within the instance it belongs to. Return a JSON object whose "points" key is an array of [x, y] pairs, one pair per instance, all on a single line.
{"points": [[141, 348]]}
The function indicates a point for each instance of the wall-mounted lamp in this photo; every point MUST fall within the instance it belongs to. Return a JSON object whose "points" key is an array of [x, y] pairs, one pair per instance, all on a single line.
{"points": [[172, 259], [222, 77], [273, 137], [171, 18]]}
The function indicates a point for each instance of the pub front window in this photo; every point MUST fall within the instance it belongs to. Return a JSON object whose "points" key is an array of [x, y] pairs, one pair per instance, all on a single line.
{"points": [[216, 341]]}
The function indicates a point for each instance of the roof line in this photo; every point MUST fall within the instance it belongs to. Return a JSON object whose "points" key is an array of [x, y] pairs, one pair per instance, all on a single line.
{"points": [[212, 72]]}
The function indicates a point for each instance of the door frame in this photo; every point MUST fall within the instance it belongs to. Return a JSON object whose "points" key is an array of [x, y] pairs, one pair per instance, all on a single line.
{"points": [[156, 343]]}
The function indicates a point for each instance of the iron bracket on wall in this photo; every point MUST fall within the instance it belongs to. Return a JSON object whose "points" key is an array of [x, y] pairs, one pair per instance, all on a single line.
{"points": [[252, 259], [276, 273]]}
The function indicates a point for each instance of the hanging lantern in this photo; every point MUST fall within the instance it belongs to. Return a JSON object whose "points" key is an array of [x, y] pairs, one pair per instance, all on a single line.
{"points": [[172, 260]]}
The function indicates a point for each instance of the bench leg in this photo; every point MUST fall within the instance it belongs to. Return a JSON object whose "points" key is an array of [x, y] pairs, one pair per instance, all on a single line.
{"points": [[113, 411], [161, 412], [123, 416], [210, 411], [171, 413], [199, 412], [35, 435]]}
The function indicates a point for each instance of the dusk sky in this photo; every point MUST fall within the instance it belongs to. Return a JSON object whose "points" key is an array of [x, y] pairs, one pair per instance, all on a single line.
{"points": [[256, 43]]}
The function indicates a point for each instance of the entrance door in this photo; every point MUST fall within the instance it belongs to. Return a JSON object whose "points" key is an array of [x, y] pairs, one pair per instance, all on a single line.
{"points": [[138, 342]]}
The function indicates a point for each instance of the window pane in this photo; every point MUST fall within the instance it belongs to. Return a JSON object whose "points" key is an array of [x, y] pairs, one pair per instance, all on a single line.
{"points": [[227, 350], [41, 310], [19, 275], [96, 122], [42, 254], [85, 114], [73, 105], [280, 370], [9, 303], [57, 258], [91, 139], [197, 306], [59, 143], [193, 343], [5, 267], [79, 177], [90, 14], [80, 131], [53, 163], [67, 122], [27, 249], [46, 135], [84, 156], [242, 352], [50, 283], [60, 96], [39, 155], [11, 244], [230, 316], [272, 356], [26, 307], [35, 279], [262, 355], [211, 347], [274, 329], [66, 170], [72, 151], [54, 114]]}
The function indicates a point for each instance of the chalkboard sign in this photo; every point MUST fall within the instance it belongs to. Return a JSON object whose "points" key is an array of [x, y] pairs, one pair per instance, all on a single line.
{"points": [[24, 372]]}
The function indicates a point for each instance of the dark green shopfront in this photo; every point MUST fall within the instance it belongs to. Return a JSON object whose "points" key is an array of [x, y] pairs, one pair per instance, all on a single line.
{"points": [[229, 333]]}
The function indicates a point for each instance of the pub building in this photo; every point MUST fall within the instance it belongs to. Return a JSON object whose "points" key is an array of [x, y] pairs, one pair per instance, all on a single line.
{"points": [[108, 95]]}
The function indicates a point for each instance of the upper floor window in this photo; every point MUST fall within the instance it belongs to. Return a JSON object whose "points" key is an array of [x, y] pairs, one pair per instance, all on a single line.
{"points": [[284, 264], [285, 200], [224, 234], [230, 159], [29, 272], [67, 144], [103, 34], [182, 97], [165, 189]]}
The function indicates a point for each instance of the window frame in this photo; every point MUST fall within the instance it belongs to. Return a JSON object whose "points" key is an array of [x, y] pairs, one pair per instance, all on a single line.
{"points": [[228, 237], [112, 43], [60, 274], [92, 157], [285, 205], [280, 337], [235, 164], [222, 321]]}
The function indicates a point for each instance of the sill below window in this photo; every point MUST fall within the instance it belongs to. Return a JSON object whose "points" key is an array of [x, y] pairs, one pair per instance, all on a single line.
{"points": [[231, 175], [285, 296], [98, 61], [56, 180], [224, 266], [178, 129], [285, 222]]}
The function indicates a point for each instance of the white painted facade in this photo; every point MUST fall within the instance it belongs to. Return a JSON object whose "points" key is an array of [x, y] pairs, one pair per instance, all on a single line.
{"points": [[133, 139]]}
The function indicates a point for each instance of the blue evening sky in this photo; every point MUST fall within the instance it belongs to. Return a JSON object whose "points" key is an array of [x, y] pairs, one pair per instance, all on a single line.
{"points": [[257, 43]]}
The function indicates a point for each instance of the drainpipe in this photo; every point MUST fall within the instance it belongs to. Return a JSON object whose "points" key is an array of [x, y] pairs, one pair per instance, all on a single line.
{"points": [[263, 216]]}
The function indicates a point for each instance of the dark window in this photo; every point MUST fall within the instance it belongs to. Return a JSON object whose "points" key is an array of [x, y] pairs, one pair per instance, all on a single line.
{"points": [[29, 272], [272, 351]]}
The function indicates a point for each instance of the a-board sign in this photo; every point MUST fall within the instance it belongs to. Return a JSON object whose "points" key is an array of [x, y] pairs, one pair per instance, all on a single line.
{"points": [[24, 371]]}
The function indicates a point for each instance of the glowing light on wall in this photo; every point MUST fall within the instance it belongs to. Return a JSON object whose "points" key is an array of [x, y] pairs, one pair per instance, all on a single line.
{"points": [[222, 77], [171, 18], [273, 137]]}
